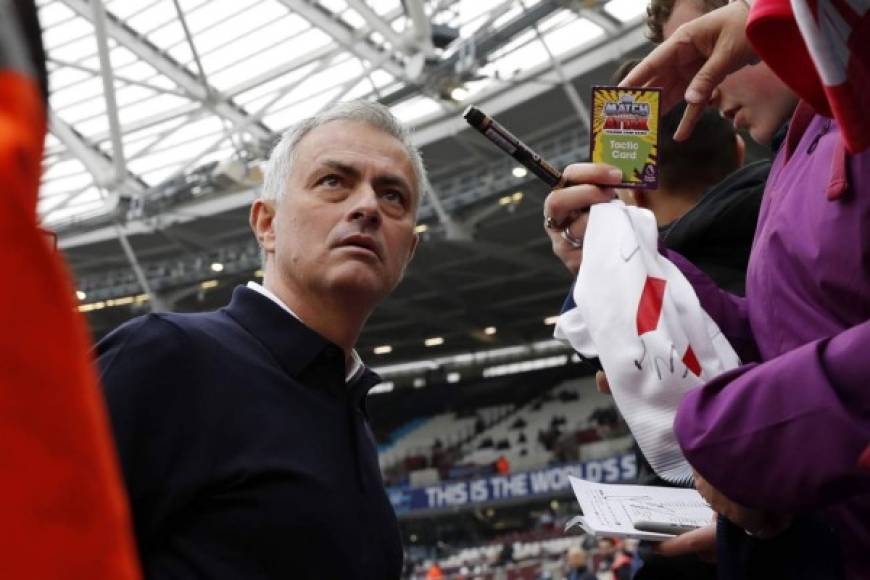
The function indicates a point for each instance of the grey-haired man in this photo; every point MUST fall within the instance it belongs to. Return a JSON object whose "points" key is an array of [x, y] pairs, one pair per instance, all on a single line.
{"points": [[242, 432]]}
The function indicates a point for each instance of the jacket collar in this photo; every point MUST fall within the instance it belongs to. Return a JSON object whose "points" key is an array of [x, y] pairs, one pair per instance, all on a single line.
{"points": [[301, 352], [779, 137], [838, 181]]}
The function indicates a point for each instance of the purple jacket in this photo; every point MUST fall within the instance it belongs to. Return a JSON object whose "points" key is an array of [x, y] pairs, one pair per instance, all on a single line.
{"points": [[784, 433]]}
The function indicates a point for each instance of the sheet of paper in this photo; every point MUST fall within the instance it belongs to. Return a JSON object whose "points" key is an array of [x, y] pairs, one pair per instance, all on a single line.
{"points": [[609, 510]]}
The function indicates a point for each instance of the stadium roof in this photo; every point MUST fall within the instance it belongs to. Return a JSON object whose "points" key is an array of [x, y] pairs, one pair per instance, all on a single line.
{"points": [[204, 80], [163, 110]]}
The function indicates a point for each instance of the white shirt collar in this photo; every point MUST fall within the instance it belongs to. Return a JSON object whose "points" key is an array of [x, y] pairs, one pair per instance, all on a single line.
{"points": [[356, 365]]}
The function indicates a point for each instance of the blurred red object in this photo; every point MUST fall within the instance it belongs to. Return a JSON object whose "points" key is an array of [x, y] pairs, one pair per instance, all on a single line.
{"points": [[65, 511]]}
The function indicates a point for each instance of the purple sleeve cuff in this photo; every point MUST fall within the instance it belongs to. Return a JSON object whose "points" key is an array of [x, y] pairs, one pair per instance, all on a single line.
{"points": [[784, 435]]}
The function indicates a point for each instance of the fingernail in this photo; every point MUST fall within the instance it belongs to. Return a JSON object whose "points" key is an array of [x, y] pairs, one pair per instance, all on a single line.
{"points": [[693, 96], [615, 174]]}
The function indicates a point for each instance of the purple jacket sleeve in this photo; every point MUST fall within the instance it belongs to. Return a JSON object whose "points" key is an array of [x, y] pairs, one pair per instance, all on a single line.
{"points": [[726, 309], [785, 435]]}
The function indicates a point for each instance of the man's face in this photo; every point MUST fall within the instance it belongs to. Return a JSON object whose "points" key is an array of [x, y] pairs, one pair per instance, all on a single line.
{"points": [[576, 559], [606, 548], [345, 222], [753, 97]]}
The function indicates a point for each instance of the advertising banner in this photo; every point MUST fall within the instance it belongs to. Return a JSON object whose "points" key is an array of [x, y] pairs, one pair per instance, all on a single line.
{"points": [[539, 482]]}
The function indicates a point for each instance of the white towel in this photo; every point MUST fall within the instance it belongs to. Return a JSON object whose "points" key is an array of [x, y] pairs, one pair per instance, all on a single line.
{"points": [[638, 313]]}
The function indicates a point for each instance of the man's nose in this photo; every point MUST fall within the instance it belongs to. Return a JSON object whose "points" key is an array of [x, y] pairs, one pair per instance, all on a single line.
{"points": [[366, 206]]}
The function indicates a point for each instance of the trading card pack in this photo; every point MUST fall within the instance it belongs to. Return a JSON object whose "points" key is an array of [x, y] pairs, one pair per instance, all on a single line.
{"points": [[625, 133]]}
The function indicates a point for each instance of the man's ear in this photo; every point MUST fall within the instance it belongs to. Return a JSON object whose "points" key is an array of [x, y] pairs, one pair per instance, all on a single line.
{"points": [[262, 222], [740, 144], [414, 243]]}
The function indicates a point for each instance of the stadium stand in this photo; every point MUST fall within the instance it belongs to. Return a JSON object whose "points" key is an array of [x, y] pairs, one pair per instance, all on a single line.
{"points": [[535, 557], [427, 435], [531, 437], [566, 420]]}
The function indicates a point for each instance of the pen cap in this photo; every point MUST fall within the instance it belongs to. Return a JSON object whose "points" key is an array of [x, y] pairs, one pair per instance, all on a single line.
{"points": [[474, 116]]}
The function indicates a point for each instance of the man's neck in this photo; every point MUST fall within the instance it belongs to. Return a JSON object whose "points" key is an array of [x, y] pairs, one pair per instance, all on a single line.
{"points": [[335, 318], [669, 207]]}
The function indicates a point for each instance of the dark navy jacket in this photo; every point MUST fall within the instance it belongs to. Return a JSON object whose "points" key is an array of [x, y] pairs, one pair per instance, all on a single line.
{"points": [[245, 454]]}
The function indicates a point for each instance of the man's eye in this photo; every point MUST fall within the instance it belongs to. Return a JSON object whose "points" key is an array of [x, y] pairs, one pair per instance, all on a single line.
{"points": [[394, 197], [330, 180]]}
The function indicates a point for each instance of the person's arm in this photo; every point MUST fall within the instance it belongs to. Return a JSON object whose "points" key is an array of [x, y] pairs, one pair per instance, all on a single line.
{"points": [[146, 371], [567, 207], [727, 310], [785, 435]]}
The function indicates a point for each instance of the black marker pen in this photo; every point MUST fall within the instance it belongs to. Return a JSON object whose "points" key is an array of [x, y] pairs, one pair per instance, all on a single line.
{"points": [[673, 529], [507, 142]]}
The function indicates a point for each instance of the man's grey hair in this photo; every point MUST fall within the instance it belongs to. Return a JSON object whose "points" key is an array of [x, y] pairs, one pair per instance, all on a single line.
{"points": [[280, 164]]}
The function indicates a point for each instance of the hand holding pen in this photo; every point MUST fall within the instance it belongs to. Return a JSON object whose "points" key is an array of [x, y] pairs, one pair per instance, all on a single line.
{"points": [[574, 191], [566, 209]]}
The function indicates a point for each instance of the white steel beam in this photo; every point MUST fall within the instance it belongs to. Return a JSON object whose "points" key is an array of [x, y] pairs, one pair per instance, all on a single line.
{"points": [[321, 53], [568, 87], [344, 35], [456, 231], [98, 165], [315, 55], [121, 79], [281, 69], [155, 303], [611, 25], [171, 69], [503, 97], [190, 43], [378, 23], [99, 20], [420, 30], [582, 61]]}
